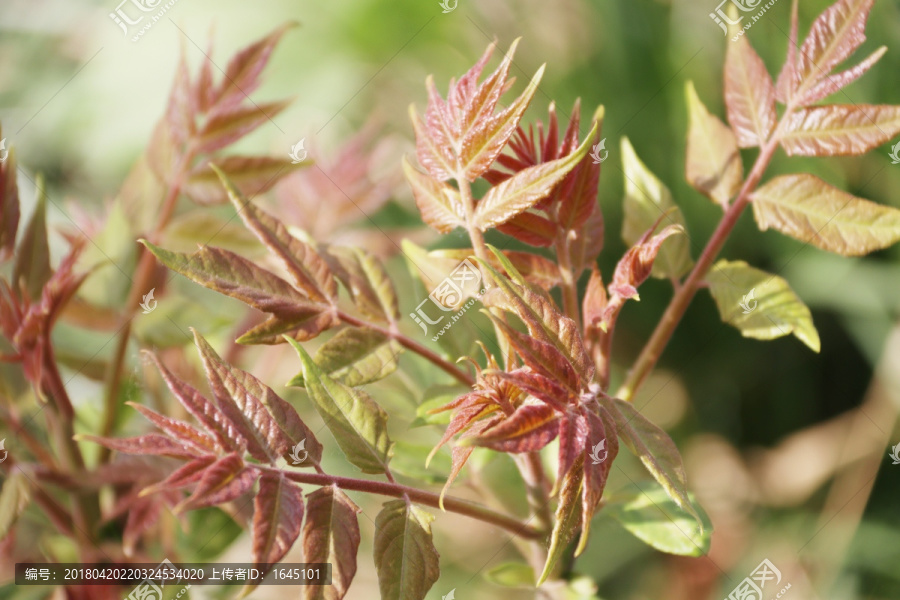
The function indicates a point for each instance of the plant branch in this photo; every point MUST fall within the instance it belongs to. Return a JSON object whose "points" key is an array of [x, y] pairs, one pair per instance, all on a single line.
{"points": [[569, 284], [395, 490], [652, 351]]}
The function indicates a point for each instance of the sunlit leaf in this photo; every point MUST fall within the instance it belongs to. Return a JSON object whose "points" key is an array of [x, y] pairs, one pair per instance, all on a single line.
{"points": [[601, 430], [811, 211], [439, 204], [841, 129], [405, 557], [655, 449], [713, 164], [359, 424], [833, 83], [760, 305], [529, 429], [646, 200], [331, 535], [524, 189], [652, 517], [749, 95], [355, 357]]}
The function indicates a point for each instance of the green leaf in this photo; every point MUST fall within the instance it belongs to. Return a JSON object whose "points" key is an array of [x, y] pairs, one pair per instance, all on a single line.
{"points": [[811, 211], [713, 164], [652, 517], [568, 517], [655, 449], [15, 495], [760, 305], [516, 575], [331, 535], [356, 356], [366, 280], [439, 204], [32, 264], [253, 175], [646, 200], [527, 187], [359, 424], [405, 557]]}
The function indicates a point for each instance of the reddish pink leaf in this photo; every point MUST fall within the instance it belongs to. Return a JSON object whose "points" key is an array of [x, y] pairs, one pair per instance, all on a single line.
{"points": [[152, 443], [277, 517], [840, 129], [223, 481], [531, 228], [634, 268], [252, 175], [188, 474], [243, 70], [179, 430], [433, 148], [439, 204], [573, 436], [832, 83], [544, 358], [530, 428], [331, 534], [227, 127], [143, 513], [749, 95], [600, 451], [786, 84], [182, 108]]}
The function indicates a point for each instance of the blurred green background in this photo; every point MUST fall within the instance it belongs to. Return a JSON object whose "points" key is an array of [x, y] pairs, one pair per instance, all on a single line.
{"points": [[782, 446]]}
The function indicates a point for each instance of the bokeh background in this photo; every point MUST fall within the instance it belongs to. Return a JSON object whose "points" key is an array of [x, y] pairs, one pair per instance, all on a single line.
{"points": [[786, 450]]}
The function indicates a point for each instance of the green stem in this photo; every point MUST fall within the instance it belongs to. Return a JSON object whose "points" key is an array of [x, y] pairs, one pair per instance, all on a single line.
{"points": [[569, 284], [396, 490]]}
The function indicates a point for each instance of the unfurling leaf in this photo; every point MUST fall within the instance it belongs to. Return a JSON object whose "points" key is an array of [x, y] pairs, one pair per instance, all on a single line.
{"points": [[840, 129], [529, 429], [652, 517], [359, 424], [655, 449], [646, 200], [356, 356], [439, 204], [635, 267], [760, 305], [749, 95], [405, 557], [811, 211], [331, 535], [253, 175], [524, 189], [223, 481], [277, 517], [713, 165]]}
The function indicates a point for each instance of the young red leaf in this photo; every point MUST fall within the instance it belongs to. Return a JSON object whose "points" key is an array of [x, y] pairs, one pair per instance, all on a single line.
{"points": [[182, 108], [529, 429], [573, 438], [833, 37], [543, 388], [227, 127], [787, 78], [243, 70], [206, 413], [406, 560], [277, 517], [439, 204], [832, 83], [812, 211], [331, 535], [252, 175], [601, 449], [154, 444], [568, 517], [749, 95], [840, 129], [578, 194], [542, 357], [527, 187], [713, 163], [179, 430], [531, 228], [535, 269], [309, 272], [238, 395], [635, 267], [433, 148], [187, 474], [223, 481]]}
